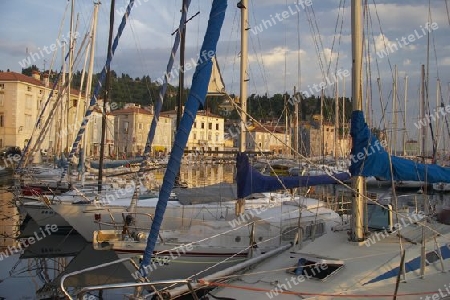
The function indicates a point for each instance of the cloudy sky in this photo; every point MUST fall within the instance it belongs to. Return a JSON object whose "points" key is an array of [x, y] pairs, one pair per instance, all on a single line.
{"points": [[290, 43]]}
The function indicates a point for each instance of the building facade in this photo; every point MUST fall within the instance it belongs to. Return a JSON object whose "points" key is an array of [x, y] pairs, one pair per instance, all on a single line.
{"points": [[132, 124], [207, 133], [22, 99]]}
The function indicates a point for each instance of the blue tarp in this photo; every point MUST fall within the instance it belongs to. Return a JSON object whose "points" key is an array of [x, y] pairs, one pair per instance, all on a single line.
{"points": [[251, 181], [369, 158]]}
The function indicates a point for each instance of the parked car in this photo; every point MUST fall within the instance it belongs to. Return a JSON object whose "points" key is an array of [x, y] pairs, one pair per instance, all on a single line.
{"points": [[9, 150]]}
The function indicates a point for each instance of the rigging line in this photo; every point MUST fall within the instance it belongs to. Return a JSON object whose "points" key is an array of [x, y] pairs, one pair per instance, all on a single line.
{"points": [[145, 63], [319, 37], [29, 147], [384, 39], [101, 79], [334, 38], [260, 58], [314, 37]]}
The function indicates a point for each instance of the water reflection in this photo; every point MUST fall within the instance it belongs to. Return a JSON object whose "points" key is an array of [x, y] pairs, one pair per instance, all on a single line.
{"points": [[35, 271]]}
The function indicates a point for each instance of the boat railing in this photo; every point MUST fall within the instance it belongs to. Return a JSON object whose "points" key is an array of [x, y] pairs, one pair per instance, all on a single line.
{"points": [[127, 225], [155, 286]]}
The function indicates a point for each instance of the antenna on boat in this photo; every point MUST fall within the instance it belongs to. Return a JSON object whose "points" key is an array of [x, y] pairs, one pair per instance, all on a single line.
{"points": [[358, 184], [243, 5]]}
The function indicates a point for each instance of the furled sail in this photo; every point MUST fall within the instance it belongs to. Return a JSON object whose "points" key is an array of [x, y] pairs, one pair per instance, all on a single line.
{"points": [[369, 158], [196, 98], [250, 180], [216, 87], [101, 79]]}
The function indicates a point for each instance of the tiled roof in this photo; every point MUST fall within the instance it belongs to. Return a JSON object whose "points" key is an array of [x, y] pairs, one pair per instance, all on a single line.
{"points": [[19, 77], [131, 110], [13, 76]]}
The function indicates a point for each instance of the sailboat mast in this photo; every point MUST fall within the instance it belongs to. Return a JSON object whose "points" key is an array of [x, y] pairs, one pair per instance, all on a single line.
{"points": [[394, 114], [105, 100], [243, 71], [336, 123], [243, 5], [404, 115], [422, 114], [296, 139], [66, 146], [181, 76], [89, 85], [358, 184]]}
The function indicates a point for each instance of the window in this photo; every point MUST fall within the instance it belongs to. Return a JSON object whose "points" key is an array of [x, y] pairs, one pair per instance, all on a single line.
{"points": [[125, 127], [28, 124], [40, 92], [29, 88], [217, 126], [195, 124], [28, 100], [2, 86], [1, 143], [2, 120], [2, 97], [203, 125], [140, 126], [209, 126], [195, 136], [209, 136], [217, 137]]}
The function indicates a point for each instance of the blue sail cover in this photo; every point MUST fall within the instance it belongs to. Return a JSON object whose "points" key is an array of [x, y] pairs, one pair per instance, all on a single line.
{"points": [[369, 158], [196, 98], [251, 181]]}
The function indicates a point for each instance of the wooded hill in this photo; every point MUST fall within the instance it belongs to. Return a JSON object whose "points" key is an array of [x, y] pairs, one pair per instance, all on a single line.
{"points": [[144, 91]]}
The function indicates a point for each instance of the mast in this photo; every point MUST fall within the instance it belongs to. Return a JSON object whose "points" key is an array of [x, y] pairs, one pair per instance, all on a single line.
{"points": [[422, 114], [243, 5], [66, 147], [394, 114], [404, 115], [181, 75], [322, 95], [358, 182], [89, 84], [105, 100], [336, 123], [296, 123]]}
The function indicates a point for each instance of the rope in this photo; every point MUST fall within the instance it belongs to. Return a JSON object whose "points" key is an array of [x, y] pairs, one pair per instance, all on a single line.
{"points": [[98, 87]]}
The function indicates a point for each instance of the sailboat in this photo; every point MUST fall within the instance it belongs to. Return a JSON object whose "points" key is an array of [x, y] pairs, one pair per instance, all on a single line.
{"points": [[252, 231], [383, 253]]}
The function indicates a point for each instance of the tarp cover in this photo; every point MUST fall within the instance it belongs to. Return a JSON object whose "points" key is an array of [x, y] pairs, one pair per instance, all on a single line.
{"points": [[250, 180], [369, 158]]}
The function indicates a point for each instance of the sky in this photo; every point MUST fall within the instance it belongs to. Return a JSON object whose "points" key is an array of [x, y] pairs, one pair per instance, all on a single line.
{"points": [[291, 44]]}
